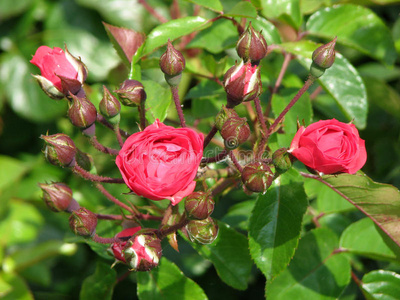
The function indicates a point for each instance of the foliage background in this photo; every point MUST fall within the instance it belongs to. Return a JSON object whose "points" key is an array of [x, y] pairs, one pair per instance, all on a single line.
{"points": [[39, 257]]}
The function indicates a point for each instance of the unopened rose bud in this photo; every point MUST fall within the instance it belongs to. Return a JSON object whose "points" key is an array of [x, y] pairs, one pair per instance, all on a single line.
{"points": [[57, 196], [115, 249], [131, 93], [282, 160], [143, 251], [60, 150], [257, 177], [83, 222], [82, 113], [109, 105], [202, 231], [235, 131], [223, 115], [172, 63], [242, 82], [252, 45], [323, 58], [199, 205]]}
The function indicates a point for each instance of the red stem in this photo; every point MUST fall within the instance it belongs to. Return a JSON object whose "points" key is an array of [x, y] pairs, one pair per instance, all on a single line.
{"points": [[152, 11], [113, 199], [218, 157], [102, 148], [235, 161], [209, 136], [175, 95], [85, 174]]}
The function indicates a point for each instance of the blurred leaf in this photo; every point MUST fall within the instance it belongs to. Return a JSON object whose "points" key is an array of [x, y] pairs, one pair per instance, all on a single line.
{"points": [[172, 30], [19, 289], [243, 9], [396, 35], [341, 81], [363, 238], [39, 273], [205, 89], [275, 224], [167, 282], [10, 8], [230, 256], [381, 285], [157, 102], [366, 32], [11, 170], [217, 68], [379, 71], [287, 11], [99, 285], [214, 5], [316, 271], [309, 6], [238, 214], [269, 30]]}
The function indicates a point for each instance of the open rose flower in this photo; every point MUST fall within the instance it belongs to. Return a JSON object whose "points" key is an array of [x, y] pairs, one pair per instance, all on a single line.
{"points": [[330, 147], [161, 162], [61, 72]]}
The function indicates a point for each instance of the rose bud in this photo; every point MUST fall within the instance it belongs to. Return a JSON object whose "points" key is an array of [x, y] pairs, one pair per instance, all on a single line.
{"points": [[60, 150], [61, 73], [131, 93], [282, 160], [223, 115], [143, 252], [323, 58], [57, 196], [199, 205], [242, 82], [335, 146], [115, 249], [251, 45], [257, 177], [82, 113], [109, 105], [172, 63], [83, 222], [235, 131], [202, 231]]}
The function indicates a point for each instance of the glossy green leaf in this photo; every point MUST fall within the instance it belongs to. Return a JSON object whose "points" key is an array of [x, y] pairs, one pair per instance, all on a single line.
{"points": [[243, 9], [11, 170], [309, 6], [315, 272], [284, 10], [214, 5], [172, 30], [99, 285], [238, 214], [381, 285], [366, 32], [341, 81], [269, 30], [16, 289], [230, 256], [167, 282], [157, 102], [275, 224]]}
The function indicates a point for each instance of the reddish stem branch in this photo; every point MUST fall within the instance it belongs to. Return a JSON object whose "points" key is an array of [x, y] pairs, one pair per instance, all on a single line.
{"points": [[89, 176], [142, 115], [153, 12], [235, 161], [113, 199], [103, 240], [96, 144], [209, 136], [118, 135], [164, 232], [175, 95], [218, 157], [107, 124], [260, 116]]}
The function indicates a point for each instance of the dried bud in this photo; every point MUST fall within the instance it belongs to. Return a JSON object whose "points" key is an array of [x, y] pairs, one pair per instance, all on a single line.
{"points": [[251, 45], [223, 115], [202, 231], [82, 113], [257, 177], [109, 105], [282, 160], [235, 131], [57, 196], [131, 93], [323, 58], [199, 205], [143, 251], [242, 82], [60, 150], [172, 63], [83, 222], [115, 249]]}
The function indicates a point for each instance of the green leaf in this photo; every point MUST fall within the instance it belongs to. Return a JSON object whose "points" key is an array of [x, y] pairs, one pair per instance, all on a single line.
{"points": [[341, 81], [316, 271], [157, 102], [379, 71], [214, 5], [269, 30], [167, 282], [243, 9], [309, 6], [19, 289], [381, 285], [99, 285], [366, 32], [172, 30], [11, 170], [285, 10], [9, 8], [230, 256], [396, 35], [275, 224], [238, 214]]}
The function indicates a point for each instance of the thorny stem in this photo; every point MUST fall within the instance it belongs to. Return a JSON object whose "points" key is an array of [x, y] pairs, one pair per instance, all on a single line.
{"points": [[119, 217], [118, 135], [223, 185], [96, 144], [216, 173], [260, 117], [162, 233], [175, 95], [103, 240], [142, 114], [175, 12], [103, 121], [152, 11], [89, 176], [113, 199], [209, 136], [216, 158], [235, 161]]}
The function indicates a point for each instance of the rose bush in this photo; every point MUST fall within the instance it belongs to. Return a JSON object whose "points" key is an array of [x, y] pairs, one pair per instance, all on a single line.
{"points": [[329, 147], [161, 161]]}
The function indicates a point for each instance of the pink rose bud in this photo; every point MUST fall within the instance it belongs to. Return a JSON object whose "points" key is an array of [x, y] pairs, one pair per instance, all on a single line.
{"points": [[282, 160], [172, 63], [242, 82], [257, 177], [202, 231], [82, 113], [252, 45], [57, 196], [199, 205], [223, 115], [115, 249], [323, 58], [143, 251], [83, 222], [235, 131], [61, 73], [60, 150], [329, 147], [161, 161], [109, 105], [131, 93]]}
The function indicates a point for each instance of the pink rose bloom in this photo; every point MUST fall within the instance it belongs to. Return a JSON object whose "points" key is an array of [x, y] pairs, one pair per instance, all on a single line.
{"points": [[330, 147], [161, 162], [116, 248]]}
